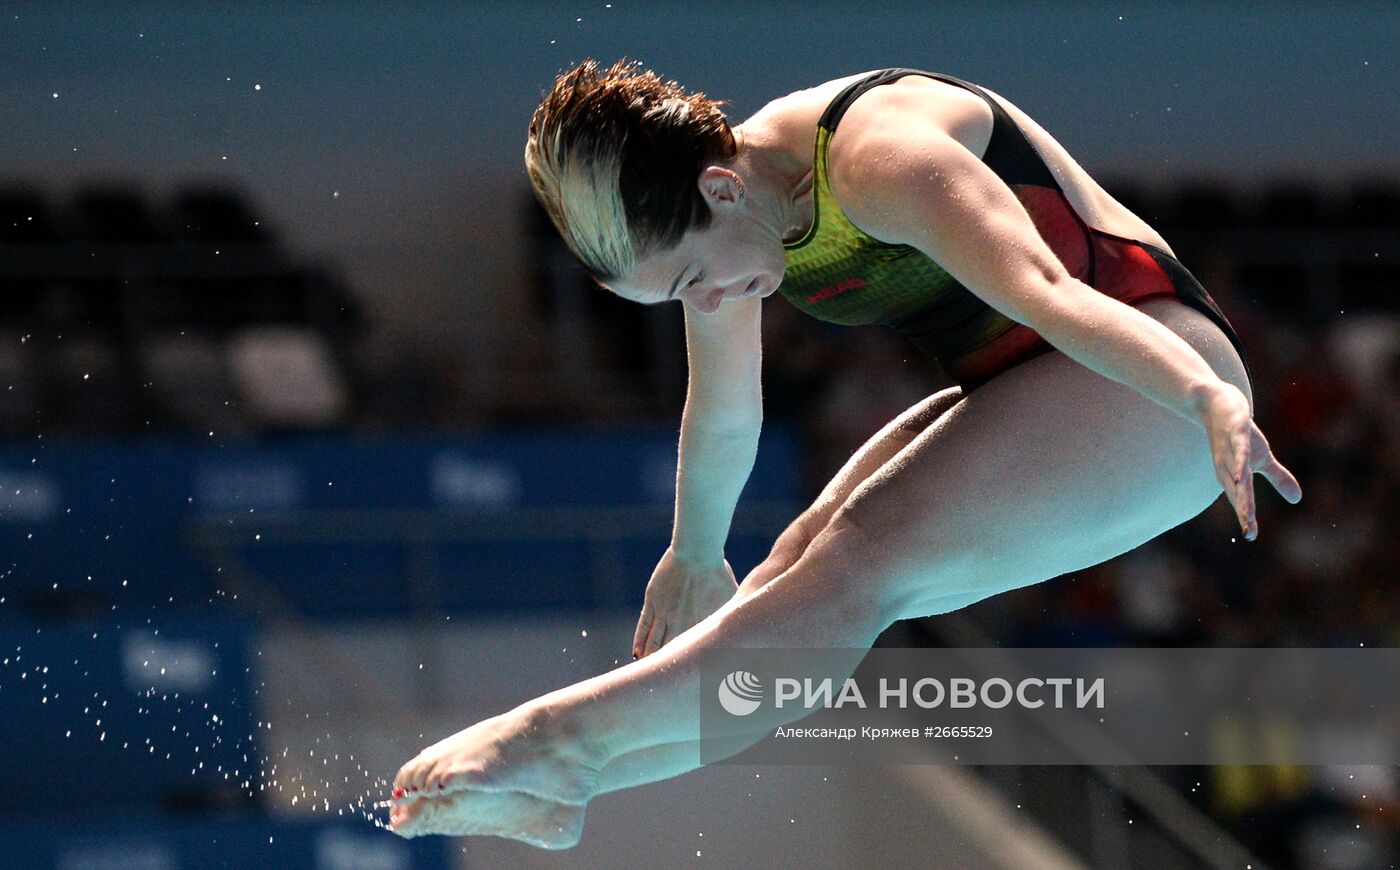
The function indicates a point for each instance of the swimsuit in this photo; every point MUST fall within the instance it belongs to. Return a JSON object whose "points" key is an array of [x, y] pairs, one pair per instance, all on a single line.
{"points": [[839, 274]]}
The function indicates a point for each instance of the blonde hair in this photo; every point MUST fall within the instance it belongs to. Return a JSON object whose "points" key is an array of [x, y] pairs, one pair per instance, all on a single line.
{"points": [[614, 156]]}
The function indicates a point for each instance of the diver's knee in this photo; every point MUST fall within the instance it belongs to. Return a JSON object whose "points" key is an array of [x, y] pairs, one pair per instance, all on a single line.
{"points": [[854, 562], [794, 540], [909, 563]]}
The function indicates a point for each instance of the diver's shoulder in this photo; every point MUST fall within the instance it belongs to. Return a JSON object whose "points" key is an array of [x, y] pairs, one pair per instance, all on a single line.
{"points": [[790, 121], [803, 102]]}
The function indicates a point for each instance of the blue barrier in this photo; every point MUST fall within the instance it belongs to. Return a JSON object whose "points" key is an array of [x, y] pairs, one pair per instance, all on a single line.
{"points": [[248, 844], [91, 526]]}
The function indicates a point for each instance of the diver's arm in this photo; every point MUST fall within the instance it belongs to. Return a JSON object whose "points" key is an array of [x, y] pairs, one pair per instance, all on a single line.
{"points": [[718, 443], [719, 427]]}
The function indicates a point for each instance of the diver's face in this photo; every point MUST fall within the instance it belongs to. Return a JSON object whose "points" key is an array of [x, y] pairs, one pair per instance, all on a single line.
{"points": [[707, 268], [735, 257]]}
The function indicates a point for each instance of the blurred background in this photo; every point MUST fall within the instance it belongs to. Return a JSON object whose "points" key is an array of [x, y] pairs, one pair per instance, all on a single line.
{"points": [[318, 446]]}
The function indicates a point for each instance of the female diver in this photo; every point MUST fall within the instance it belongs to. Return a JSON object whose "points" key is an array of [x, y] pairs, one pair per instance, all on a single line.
{"points": [[1102, 396]]}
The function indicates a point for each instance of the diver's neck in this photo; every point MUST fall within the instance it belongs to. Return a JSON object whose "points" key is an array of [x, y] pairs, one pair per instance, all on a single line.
{"points": [[779, 184]]}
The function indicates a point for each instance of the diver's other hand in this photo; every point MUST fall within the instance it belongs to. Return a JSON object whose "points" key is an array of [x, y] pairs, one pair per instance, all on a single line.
{"points": [[678, 596], [1239, 450]]}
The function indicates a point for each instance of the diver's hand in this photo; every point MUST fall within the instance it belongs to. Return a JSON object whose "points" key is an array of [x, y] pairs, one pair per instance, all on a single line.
{"points": [[1239, 450], [678, 596]]}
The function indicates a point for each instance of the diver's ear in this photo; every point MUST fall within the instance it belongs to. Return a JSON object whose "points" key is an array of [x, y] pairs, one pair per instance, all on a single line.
{"points": [[721, 186]]}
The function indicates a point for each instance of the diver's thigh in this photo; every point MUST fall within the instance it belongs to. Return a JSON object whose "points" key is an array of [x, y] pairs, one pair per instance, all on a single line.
{"points": [[1047, 468]]}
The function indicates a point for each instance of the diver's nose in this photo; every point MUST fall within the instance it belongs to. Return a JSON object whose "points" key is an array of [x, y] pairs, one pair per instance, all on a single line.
{"points": [[711, 300]]}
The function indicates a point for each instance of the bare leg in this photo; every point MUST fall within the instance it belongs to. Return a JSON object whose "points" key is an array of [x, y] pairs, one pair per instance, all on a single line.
{"points": [[1047, 469], [450, 786], [830, 598], [881, 447], [672, 759]]}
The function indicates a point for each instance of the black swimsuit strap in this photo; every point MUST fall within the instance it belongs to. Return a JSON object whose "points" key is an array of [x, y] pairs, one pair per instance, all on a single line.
{"points": [[1009, 153]]}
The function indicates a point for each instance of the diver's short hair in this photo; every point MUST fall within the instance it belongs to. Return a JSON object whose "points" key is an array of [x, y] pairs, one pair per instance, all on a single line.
{"points": [[615, 156]]}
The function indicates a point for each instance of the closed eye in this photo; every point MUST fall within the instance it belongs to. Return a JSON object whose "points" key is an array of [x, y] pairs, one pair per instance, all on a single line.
{"points": [[699, 276]]}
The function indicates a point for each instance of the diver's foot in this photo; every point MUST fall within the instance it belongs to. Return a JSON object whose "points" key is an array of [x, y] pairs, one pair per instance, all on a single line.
{"points": [[533, 820], [532, 750]]}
